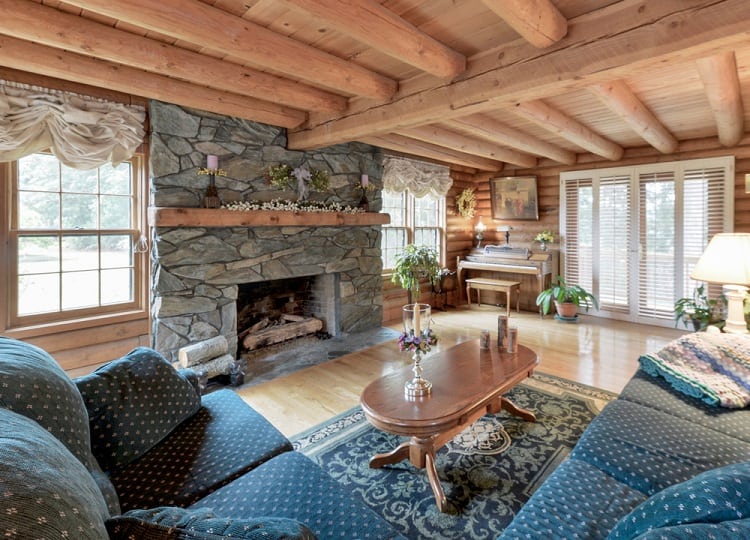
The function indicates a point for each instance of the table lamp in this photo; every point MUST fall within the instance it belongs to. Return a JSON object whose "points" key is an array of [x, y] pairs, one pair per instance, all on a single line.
{"points": [[726, 261], [480, 232]]}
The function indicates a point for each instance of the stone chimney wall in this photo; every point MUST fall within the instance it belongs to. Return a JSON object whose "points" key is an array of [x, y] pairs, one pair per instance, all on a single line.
{"points": [[196, 270]]}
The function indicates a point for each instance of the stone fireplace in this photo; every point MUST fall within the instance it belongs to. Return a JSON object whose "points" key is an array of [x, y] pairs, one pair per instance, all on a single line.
{"points": [[197, 269]]}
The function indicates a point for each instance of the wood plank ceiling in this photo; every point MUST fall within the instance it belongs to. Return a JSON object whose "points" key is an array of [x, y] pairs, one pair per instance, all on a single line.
{"points": [[479, 84]]}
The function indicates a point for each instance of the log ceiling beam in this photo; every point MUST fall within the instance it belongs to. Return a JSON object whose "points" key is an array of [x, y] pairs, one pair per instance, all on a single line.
{"points": [[193, 21], [621, 100], [492, 130], [377, 26], [537, 21], [722, 84], [569, 129], [49, 26], [68, 66], [414, 147], [596, 50], [469, 145]]}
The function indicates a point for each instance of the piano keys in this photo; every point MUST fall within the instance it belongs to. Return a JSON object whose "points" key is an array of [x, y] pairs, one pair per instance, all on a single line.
{"points": [[509, 260]]}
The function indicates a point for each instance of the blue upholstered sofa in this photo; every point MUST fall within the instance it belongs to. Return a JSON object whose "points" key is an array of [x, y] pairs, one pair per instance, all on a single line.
{"points": [[656, 463], [134, 451]]}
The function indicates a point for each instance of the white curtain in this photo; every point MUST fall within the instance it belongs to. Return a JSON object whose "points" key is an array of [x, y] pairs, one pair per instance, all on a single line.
{"points": [[84, 133], [420, 178]]}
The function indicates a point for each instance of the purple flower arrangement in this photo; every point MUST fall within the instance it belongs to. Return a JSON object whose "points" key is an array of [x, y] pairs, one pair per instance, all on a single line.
{"points": [[423, 342]]}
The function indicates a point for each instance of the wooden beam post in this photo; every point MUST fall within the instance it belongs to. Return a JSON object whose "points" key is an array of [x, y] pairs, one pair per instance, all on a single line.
{"points": [[35, 58], [450, 139], [413, 147], [719, 76], [556, 122], [488, 128], [537, 21], [195, 22], [380, 28], [49, 26], [622, 101]]}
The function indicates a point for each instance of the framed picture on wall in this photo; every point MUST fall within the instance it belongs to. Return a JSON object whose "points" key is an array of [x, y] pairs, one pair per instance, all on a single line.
{"points": [[514, 197]]}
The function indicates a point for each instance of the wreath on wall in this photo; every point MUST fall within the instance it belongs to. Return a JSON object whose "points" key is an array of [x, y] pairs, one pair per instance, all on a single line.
{"points": [[466, 203]]}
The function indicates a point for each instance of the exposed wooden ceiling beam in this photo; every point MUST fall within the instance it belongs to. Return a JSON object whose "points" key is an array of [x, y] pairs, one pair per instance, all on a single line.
{"points": [[622, 101], [199, 23], [555, 121], [492, 130], [450, 139], [399, 143], [381, 29], [722, 84], [43, 60], [537, 21], [49, 26], [612, 48]]}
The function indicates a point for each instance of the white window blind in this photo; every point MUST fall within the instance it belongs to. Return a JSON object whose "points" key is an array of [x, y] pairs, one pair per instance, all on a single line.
{"points": [[656, 244], [614, 243]]}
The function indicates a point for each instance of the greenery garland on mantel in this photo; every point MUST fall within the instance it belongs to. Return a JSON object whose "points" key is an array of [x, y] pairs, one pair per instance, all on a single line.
{"points": [[466, 203]]}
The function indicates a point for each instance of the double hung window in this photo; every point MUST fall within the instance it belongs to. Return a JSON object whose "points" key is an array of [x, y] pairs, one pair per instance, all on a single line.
{"points": [[70, 241], [414, 220]]}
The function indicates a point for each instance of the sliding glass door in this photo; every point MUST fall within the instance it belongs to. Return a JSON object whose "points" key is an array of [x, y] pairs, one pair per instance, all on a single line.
{"points": [[632, 235]]}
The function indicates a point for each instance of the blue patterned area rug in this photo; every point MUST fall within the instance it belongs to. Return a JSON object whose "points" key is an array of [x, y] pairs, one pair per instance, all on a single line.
{"points": [[488, 472]]}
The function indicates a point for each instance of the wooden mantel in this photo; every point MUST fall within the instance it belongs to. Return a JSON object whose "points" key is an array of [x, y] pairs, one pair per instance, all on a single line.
{"points": [[217, 217]]}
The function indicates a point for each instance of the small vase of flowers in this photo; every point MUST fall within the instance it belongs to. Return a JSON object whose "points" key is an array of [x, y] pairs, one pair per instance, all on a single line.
{"points": [[545, 238]]}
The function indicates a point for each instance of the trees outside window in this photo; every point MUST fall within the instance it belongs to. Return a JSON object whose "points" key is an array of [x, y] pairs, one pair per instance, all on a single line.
{"points": [[419, 221], [70, 241]]}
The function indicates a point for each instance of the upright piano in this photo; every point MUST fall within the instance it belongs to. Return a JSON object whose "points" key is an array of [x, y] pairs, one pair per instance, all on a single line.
{"points": [[509, 260]]}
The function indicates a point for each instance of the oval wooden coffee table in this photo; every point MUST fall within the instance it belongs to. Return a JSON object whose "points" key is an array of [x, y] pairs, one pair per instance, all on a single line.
{"points": [[467, 383]]}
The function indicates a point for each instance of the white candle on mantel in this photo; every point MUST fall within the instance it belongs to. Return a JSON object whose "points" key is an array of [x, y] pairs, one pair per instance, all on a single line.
{"points": [[212, 162], [365, 180], [417, 328]]}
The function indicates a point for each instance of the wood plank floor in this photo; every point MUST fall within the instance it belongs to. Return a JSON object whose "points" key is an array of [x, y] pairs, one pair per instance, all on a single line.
{"points": [[597, 352]]}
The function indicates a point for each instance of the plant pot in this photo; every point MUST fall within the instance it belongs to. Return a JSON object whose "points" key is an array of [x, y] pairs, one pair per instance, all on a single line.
{"points": [[567, 310]]}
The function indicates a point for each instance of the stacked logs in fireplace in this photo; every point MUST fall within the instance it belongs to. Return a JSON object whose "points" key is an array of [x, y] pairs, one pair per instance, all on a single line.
{"points": [[267, 332]]}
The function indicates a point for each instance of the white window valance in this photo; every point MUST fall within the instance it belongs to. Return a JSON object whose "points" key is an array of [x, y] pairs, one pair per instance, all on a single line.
{"points": [[82, 132], [420, 178]]}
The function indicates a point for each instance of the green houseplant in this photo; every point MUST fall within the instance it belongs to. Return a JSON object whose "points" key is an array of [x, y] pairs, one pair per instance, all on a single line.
{"points": [[698, 310], [413, 264], [567, 299]]}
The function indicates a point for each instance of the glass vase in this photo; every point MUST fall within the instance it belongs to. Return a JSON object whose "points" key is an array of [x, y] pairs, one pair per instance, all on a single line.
{"points": [[416, 318]]}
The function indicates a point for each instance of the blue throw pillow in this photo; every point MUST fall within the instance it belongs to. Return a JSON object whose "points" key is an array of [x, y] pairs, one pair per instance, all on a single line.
{"points": [[33, 384], [172, 523], [716, 496], [45, 491], [133, 403]]}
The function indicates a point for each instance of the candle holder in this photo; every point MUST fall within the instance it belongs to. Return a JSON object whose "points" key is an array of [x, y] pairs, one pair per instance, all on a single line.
{"points": [[418, 339], [211, 199]]}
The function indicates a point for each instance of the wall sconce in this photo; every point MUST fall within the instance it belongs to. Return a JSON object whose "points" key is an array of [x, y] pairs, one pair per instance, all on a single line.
{"points": [[747, 183], [480, 232]]}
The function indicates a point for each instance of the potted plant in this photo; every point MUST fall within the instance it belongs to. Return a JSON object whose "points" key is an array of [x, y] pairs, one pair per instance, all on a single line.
{"points": [[413, 264], [567, 299], [697, 311]]}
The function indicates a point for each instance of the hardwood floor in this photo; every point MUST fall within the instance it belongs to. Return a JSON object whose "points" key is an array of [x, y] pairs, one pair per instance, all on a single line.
{"points": [[597, 352]]}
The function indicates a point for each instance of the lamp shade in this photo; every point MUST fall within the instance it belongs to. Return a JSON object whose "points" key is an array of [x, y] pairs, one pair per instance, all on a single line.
{"points": [[726, 260]]}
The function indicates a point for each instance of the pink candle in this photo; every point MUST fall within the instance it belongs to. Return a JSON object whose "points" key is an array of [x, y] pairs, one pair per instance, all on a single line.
{"points": [[212, 162], [365, 180]]}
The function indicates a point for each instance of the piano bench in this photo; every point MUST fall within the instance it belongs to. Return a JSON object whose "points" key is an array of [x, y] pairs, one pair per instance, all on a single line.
{"points": [[498, 285]]}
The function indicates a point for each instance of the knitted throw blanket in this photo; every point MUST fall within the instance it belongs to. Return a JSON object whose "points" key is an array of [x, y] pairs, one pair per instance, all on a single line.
{"points": [[712, 367]]}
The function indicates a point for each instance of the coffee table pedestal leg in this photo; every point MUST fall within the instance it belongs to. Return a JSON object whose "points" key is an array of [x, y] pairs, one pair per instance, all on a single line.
{"points": [[421, 454]]}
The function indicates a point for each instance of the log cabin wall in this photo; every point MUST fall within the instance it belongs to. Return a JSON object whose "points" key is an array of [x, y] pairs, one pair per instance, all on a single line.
{"points": [[460, 234]]}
